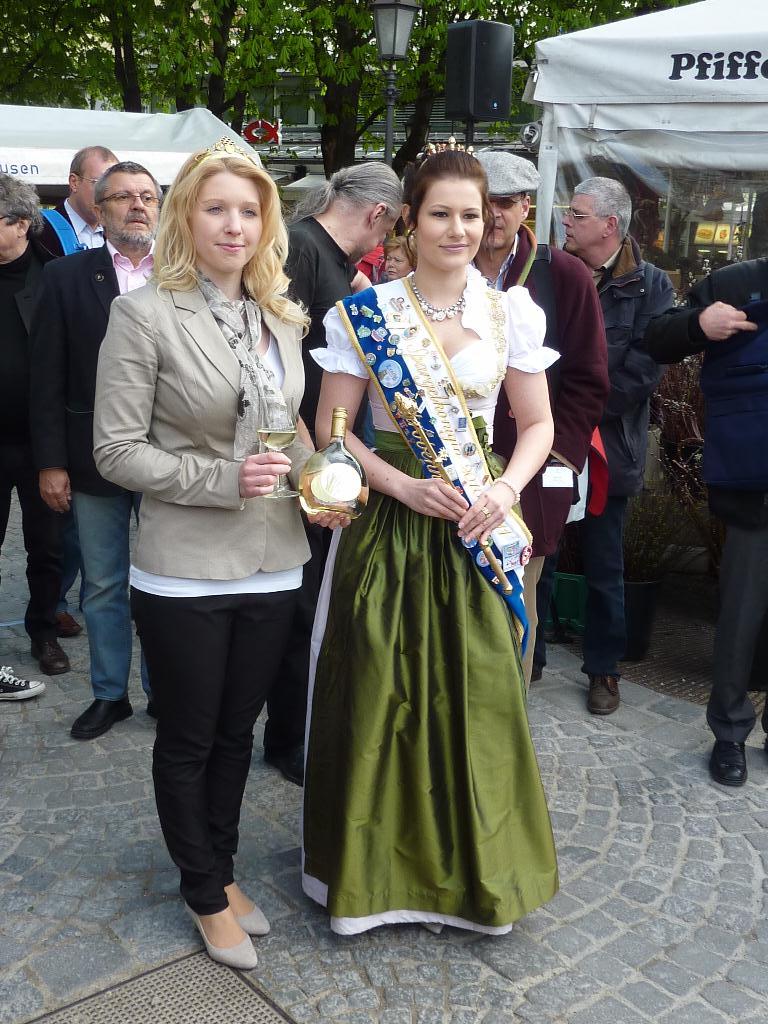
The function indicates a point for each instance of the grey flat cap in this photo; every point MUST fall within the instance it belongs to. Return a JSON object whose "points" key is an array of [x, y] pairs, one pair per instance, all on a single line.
{"points": [[507, 173]]}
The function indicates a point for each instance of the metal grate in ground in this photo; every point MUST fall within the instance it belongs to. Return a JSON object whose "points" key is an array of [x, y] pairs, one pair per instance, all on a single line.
{"points": [[679, 661], [194, 990]]}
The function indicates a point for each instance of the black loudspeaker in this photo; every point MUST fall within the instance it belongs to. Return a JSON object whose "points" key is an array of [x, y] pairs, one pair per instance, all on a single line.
{"points": [[478, 70]]}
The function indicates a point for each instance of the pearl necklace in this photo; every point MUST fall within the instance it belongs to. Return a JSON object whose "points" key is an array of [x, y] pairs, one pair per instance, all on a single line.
{"points": [[448, 313]]}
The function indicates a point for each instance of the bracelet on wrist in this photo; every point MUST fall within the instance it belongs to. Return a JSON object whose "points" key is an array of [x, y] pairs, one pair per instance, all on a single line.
{"points": [[515, 492]]}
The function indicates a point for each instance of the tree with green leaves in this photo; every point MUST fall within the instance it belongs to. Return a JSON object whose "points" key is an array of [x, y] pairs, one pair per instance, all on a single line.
{"points": [[217, 53]]}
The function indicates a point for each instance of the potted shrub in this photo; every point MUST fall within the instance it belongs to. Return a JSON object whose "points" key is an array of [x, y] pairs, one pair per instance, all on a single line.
{"points": [[678, 409], [654, 544]]}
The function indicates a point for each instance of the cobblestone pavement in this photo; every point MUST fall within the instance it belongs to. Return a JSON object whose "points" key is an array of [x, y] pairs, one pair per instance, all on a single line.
{"points": [[661, 916]]}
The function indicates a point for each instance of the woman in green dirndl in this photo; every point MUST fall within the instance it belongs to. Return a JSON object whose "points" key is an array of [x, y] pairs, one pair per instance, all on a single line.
{"points": [[423, 799]]}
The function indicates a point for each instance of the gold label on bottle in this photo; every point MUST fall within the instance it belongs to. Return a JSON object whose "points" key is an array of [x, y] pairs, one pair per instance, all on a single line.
{"points": [[335, 484]]}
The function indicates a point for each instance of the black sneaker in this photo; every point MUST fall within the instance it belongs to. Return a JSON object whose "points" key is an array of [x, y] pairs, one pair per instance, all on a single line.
{"points": [[13, 688]]}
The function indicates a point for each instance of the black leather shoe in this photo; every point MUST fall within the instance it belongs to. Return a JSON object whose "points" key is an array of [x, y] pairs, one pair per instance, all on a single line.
{"points": [[290, 764], [728, 763], [100, 717], [50, 656]]}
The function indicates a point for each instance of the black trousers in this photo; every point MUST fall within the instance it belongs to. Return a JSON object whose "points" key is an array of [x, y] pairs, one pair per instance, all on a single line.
{"points": [[743, 605], [212, 661], [40, 527], [287, 703]]}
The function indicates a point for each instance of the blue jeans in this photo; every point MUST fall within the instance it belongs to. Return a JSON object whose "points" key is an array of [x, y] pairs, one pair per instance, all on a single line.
{"points": [[602, 548], [71, 562], [103, 524]]}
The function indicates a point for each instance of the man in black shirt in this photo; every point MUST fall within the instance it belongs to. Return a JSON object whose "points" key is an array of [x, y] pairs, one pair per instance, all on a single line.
{"points": [[21, 263], [321, 273], [336, 225]]}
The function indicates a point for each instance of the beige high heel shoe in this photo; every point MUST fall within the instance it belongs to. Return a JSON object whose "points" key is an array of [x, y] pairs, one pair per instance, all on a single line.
{"points": [[254, 923], [242, 956]]}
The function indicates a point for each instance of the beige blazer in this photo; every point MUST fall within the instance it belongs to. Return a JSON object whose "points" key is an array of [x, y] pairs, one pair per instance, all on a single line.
{"points": [[164, 424]]}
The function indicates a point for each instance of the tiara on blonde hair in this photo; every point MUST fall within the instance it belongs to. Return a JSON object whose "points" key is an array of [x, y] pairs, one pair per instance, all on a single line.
{"points": [[226, 147]]}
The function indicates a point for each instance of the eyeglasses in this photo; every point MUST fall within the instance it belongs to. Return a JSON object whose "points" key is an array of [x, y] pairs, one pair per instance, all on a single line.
{"points": [[123, 198], [506, 202], [575, 215], [82, 177]]}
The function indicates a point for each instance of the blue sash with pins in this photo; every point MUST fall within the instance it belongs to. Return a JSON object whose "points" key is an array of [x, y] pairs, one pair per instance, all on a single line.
{"points": [[427, 405]]}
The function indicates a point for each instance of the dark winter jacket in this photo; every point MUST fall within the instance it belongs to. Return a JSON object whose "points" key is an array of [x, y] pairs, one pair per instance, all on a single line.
{"points": [[67, 331], [631, 295], [677, 334]]}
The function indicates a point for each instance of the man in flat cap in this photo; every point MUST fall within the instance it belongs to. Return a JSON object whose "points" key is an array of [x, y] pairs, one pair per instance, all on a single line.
{"points": [[578, 381]]}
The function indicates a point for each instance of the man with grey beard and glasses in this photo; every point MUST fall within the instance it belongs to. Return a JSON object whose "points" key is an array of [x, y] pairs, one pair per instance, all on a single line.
{"points": [[67, 331]]}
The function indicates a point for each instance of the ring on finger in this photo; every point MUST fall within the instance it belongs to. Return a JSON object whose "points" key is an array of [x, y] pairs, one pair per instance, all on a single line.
{"points": [[486, 512]]}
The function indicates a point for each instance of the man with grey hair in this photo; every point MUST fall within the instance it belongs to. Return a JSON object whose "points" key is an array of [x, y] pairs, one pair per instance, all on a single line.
{"points": [[21, 268], [78, 210], [332, 229], [72, 225], [335, 226], [578, 382], [631, 293], [67, 332]]}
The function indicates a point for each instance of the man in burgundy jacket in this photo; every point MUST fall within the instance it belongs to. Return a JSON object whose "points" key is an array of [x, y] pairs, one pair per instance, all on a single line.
{"points": [[578, 382]]}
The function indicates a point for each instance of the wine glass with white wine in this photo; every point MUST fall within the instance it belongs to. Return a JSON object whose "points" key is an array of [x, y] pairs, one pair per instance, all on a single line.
{"points": [[275, 434]]}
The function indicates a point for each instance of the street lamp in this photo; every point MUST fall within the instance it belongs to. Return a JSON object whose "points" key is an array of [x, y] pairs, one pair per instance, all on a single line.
{"points": [[393, 21]]}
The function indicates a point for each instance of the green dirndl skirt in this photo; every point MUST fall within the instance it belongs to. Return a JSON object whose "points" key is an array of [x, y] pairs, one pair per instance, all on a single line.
{"points": [[423, 799]]}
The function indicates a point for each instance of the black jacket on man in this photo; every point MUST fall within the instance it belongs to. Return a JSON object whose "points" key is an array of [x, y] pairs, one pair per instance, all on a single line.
{"points": [[677, 334], [630, 295], [67, 332], [15, 350]]}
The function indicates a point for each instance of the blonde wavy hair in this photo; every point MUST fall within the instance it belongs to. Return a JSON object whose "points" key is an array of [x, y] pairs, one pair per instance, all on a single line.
{"points": [[175, 256]]}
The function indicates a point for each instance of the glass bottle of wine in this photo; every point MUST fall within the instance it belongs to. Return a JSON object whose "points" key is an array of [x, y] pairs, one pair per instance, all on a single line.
{"points": [[333, 480]]}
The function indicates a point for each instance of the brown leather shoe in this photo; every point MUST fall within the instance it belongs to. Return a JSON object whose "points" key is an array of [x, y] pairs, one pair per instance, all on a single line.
{"points": [[51, 658], [66, 626], [603, 696]]}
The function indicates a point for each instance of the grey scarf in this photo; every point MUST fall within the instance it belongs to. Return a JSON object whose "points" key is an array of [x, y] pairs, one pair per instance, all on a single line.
{"points": [[260, 401]]}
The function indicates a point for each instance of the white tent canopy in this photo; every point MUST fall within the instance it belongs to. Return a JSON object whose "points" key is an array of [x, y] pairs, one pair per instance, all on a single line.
{"points": [[37, 143], [685, 88]]}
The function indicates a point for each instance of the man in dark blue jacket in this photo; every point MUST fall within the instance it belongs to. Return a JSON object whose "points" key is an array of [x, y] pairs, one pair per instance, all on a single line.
{"points": [[710, 319], [631, 292]]}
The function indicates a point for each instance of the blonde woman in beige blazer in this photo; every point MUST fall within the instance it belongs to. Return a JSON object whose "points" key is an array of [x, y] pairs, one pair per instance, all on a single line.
{"points": [[189, 365]]}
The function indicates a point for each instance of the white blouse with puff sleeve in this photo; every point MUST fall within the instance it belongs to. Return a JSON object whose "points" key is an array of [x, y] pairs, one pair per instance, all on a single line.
{"points": [[475, 366]]}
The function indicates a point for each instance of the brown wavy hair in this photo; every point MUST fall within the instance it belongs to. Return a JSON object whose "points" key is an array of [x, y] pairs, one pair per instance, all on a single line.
{"points": [[175, 256]]}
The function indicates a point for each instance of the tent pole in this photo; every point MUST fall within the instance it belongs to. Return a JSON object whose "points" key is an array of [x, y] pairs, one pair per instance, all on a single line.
{"points": [[668, 212], [548, 171]]}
